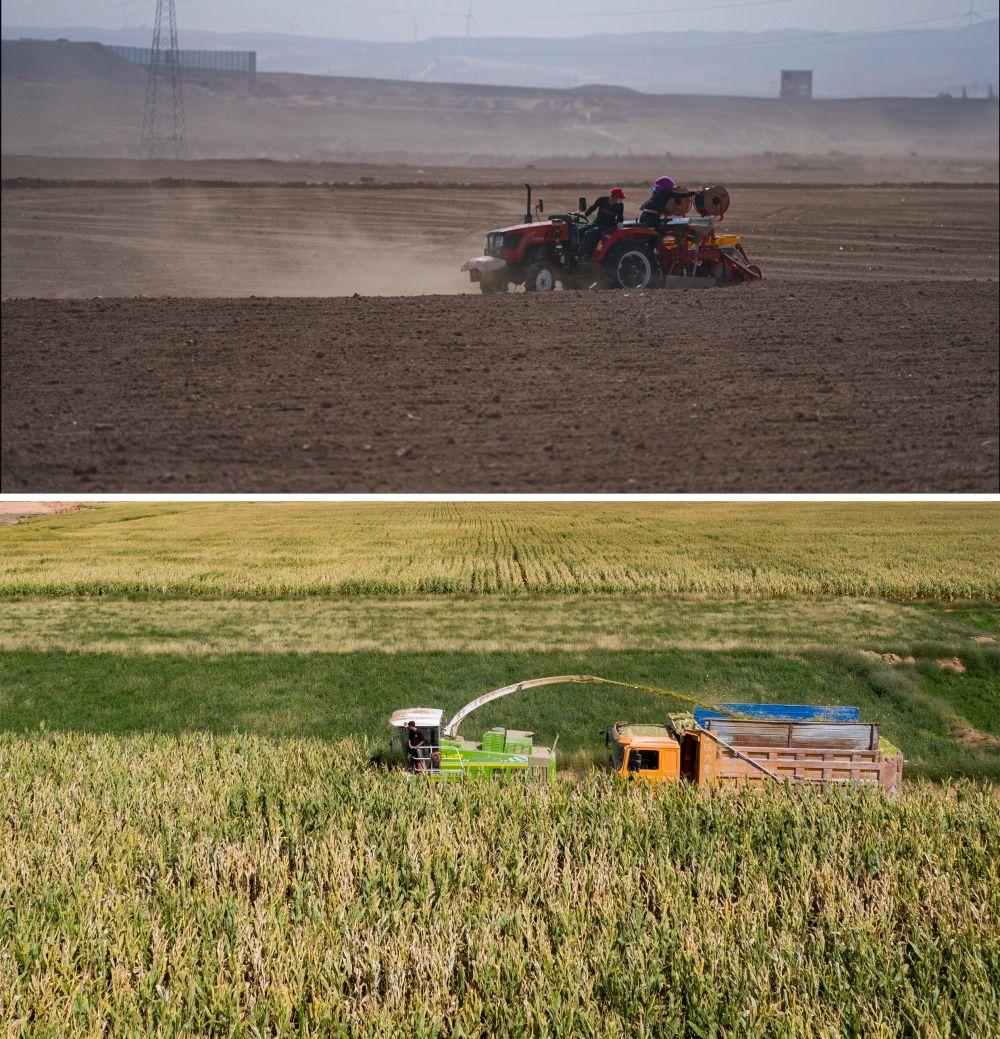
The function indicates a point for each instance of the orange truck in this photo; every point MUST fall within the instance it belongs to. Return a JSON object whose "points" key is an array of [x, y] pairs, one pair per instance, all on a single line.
{"points": [[756, 744]]}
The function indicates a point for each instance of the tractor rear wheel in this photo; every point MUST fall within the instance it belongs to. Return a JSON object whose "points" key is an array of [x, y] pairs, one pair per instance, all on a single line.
{"points": [[629, 267], [539, 276]]}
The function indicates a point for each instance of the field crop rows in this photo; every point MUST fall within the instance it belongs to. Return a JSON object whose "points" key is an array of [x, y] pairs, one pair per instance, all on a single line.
{"points": [[494, 624], [319, 620], [201, 886], [196, 844], [301, 550]]}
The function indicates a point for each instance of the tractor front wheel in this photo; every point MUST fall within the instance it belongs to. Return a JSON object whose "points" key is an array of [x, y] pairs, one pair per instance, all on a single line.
{"points": [[630, 268], [492, 284], [539, 276]]}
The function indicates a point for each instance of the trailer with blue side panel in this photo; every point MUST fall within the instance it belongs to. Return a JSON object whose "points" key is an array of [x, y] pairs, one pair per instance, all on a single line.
{"points": [[736, 744], [778, 712]]}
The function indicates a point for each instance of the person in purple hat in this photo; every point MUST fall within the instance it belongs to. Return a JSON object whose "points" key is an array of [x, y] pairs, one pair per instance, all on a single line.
{"points": [[661, 194]]}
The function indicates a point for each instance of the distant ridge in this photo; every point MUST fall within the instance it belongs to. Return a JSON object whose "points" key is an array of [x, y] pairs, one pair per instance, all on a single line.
{"points": [[92, 103], [903, 64], [62, 59]]}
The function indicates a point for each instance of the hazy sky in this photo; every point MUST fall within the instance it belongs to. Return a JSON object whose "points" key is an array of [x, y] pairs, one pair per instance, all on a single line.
{"points": [[416, 19]]}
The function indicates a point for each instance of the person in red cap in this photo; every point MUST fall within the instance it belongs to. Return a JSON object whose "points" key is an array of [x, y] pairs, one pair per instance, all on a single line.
{"points": [[610, 210]]}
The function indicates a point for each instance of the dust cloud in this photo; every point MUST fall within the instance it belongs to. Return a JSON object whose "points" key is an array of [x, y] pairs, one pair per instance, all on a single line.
{"points": [[85, 242]]}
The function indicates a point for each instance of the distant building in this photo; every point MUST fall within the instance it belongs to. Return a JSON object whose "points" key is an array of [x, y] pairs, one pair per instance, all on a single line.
{"points": [[797, 83], [198, 64]]}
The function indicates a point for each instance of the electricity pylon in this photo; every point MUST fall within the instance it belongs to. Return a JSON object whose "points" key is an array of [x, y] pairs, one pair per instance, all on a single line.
{"points": [[163, 116]]}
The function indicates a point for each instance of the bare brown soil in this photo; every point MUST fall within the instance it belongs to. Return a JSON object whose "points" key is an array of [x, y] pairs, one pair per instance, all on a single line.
{"points": [[977, 740], [789, 386], [12, 512]]}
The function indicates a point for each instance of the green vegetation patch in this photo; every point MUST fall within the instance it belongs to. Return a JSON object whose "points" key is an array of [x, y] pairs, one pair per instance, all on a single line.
{"points": [[298, 550], [199, 885]]}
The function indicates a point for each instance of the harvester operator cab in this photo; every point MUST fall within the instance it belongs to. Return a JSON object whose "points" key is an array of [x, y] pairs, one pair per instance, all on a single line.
{"points": [[420, 737]]}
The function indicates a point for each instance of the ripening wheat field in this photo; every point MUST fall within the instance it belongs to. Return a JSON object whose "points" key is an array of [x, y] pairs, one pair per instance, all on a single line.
{"points": [[200, 886], [279, 550]]}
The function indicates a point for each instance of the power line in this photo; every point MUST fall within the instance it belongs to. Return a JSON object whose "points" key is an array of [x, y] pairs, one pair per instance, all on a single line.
{"points": [[87, 14], [660, 11], [118, 6], [812, 39], [29, 7], [202, 5], [467, 15]]}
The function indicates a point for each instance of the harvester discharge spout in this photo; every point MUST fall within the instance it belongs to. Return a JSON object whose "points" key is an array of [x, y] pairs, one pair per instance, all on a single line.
{"points": [[451, 729]]}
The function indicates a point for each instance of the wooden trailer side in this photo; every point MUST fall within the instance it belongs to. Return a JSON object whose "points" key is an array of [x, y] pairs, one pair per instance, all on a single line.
{"points": [[796, 764]]}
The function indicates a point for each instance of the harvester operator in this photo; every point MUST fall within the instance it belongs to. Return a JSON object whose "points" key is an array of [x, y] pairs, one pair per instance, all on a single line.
{"points": [[610, 210], [415, 744], [661, 194]]}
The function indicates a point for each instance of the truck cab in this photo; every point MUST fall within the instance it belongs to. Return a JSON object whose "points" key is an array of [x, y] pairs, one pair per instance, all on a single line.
{"points": [[650, 753]]}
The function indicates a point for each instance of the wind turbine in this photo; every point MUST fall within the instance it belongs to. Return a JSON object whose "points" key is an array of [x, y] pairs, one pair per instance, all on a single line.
{"points": [[470, 20]]}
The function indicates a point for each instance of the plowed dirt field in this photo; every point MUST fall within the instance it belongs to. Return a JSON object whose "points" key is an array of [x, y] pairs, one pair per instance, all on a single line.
{"points": [[867, 361], [792, 386]]}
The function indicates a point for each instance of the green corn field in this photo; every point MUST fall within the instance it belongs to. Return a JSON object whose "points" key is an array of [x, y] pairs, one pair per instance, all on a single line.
{"points": [[236, 886], [298, 550]]}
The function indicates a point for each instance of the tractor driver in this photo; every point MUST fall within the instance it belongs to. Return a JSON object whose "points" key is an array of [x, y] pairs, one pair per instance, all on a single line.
{"points": [[661, 194], [415, 743], [610, 211]]}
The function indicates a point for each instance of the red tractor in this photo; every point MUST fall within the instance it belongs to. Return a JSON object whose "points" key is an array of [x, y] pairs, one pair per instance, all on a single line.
{"points": [[679, 252]]}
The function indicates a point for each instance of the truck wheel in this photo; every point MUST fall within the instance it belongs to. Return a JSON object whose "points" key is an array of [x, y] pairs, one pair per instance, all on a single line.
{"points": [[630, 268], [539, 276], [492, 284]]}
